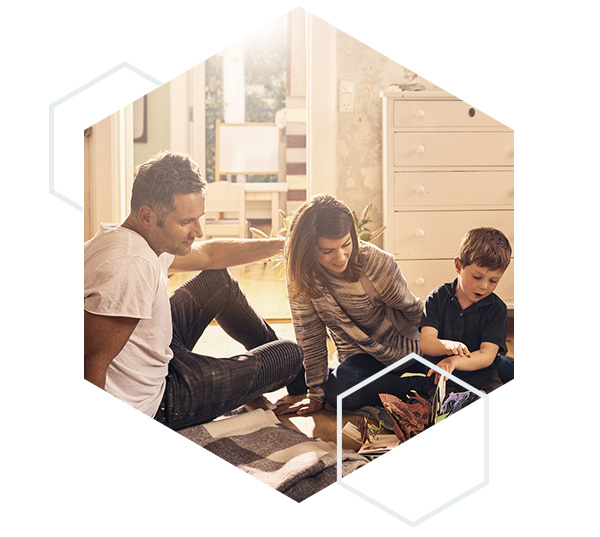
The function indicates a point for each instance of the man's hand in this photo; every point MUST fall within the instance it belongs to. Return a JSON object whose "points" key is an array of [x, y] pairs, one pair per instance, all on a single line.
{"points": [[103, 339], [301, 408]]}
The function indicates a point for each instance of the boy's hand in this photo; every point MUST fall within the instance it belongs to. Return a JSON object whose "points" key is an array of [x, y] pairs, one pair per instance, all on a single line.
{"points": [[447, 364], [456, 348]]}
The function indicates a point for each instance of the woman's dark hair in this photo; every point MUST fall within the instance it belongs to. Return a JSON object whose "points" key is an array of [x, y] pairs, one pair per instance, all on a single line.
{"points": [[321, 216]]}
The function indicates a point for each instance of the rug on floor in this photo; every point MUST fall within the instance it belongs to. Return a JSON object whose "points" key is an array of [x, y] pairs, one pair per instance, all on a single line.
{"points": [[287, 460]]}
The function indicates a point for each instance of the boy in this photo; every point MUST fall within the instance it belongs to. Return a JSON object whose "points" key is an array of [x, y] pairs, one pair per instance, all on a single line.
{"points": [[464, 324]]}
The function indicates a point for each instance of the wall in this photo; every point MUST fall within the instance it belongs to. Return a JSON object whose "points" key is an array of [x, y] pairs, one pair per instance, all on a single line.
{"points": [[158, 124], [108, 170], [359, 133]]}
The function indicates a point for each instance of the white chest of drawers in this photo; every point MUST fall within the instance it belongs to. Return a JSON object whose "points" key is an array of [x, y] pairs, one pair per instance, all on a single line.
{"points": [[447, 168]]}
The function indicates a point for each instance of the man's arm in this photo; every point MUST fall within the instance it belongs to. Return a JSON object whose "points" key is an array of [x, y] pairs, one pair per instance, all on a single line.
{"points": [[103, 339], [224, 253]]}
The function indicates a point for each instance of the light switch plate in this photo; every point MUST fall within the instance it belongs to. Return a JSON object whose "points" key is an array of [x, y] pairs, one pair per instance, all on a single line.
{"points": [[346, 96]]}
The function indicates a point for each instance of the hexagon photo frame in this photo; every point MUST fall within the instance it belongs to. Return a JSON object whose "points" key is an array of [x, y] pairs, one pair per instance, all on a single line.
{"points": [[427, 164]]}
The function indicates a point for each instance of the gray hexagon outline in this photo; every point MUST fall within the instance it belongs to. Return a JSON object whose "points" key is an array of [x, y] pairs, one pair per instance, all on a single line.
{"points": [[366, 497], [124, 65]]}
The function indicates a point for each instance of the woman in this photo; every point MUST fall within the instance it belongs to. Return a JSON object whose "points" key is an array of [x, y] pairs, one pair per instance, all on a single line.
{"points": [[354, 291]]}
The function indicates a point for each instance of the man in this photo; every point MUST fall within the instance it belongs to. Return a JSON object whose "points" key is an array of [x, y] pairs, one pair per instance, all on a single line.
{"points": [[138, 342]]}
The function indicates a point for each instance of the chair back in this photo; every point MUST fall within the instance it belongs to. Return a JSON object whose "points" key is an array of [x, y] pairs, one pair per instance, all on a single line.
{"points": [[226, 210]]}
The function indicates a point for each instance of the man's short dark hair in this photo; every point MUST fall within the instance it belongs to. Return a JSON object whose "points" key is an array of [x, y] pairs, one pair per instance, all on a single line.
{"points": [[161, 177]]}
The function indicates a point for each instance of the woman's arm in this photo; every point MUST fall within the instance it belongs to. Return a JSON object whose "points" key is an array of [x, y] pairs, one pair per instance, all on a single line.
{"points": [[391, 286], [311, 335]]}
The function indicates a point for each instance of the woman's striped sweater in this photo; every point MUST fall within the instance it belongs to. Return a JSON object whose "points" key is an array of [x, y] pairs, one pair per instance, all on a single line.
{"points": [[356, 323]]}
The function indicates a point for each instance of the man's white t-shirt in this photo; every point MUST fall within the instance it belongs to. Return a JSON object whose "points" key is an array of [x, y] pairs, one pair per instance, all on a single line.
{"points": [[123, 277]]}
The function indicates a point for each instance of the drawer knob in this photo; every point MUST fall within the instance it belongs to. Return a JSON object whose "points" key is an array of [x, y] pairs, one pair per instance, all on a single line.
{"points": [[420, 189], [420, 113], [419, 233], [420, 282], [420, 149]]}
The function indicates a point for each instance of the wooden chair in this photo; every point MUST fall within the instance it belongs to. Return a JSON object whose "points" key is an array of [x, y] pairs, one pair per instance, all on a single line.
{"points": [[225, 210]]}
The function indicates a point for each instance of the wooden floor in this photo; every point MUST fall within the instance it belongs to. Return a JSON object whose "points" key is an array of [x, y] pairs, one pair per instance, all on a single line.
{"points": [[265, 290]]}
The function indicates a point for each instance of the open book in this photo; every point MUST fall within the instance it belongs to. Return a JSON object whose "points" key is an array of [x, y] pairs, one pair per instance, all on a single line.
{"points": [[438, 401], [374, 444], [409, 418]]}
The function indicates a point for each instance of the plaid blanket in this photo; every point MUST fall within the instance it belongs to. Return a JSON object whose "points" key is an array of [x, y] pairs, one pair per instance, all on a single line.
{"points": [[287, 460]]}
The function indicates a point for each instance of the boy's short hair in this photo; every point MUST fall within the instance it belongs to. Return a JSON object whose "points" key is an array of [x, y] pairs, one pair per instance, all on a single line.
{"points": [[486, 247]]}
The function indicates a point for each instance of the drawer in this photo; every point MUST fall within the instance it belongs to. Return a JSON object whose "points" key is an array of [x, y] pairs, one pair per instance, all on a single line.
{"points": [[427, 114], [436, 235], [427, 149], [458, 188], [423, 276]]}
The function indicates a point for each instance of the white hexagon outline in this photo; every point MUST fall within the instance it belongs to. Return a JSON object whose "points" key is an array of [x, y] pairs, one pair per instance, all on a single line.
{"points": [[486, 435], [110, 72]]}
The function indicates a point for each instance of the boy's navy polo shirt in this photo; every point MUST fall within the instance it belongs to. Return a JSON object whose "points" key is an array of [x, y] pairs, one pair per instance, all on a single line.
{"points": [[485, 320]]}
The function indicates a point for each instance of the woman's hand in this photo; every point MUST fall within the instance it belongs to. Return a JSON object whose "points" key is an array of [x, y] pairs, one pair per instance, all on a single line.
{"points": [[301, 408], [447, 364]]}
